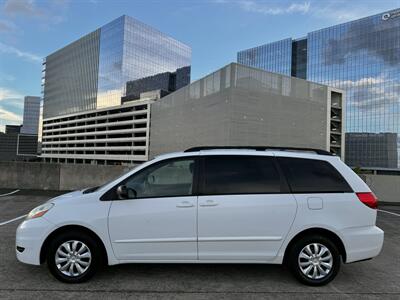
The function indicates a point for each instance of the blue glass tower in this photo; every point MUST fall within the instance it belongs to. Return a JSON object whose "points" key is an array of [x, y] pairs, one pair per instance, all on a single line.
{"points": [[92, 72], [274, 57], [361, 57]]}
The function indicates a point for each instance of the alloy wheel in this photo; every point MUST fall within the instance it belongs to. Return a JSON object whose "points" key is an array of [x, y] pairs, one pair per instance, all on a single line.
{"points": [[315, 261], [73, 258]]}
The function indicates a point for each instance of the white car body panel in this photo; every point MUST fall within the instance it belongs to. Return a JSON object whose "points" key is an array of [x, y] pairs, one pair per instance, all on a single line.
{"points": [[244, 227], [76, 209], [154, 228], [31, 234], [238, 229]]}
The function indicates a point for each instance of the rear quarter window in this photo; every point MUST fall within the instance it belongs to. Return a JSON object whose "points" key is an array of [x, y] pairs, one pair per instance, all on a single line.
{"points": [[313, 176]]}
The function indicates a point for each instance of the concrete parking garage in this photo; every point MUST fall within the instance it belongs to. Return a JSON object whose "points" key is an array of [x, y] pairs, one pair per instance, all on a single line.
{"points": [[372, 279]]}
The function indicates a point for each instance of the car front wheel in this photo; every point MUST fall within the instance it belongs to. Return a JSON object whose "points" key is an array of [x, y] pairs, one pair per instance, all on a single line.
{"points": [[73, 257]]}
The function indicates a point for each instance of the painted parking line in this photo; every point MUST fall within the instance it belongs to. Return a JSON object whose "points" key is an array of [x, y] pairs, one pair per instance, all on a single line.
{"points": [[12, 220], [10, 193], [389, 212]]}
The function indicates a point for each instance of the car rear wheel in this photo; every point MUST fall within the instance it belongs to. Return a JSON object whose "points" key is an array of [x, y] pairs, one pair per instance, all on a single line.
{"points": [[314, 260], [73, 257]]}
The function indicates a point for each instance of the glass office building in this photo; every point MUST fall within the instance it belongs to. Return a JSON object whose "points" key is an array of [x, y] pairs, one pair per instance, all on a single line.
{"points": [[361, 57], [92, 72], [31, 115], [274, 57]]}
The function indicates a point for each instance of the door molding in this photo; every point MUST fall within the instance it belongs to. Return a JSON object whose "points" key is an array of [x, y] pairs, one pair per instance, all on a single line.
{"points": [[161, 240]]}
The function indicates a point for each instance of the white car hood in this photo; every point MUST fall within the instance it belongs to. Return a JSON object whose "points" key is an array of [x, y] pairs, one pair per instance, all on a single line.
{"points": [[66, 196]]}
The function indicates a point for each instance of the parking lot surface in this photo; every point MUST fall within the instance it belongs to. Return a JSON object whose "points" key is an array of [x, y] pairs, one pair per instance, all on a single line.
{"points": [[374, 279]]}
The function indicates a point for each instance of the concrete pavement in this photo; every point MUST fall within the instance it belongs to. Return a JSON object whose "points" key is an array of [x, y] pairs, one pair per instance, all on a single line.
{"points": [[372, 279]]}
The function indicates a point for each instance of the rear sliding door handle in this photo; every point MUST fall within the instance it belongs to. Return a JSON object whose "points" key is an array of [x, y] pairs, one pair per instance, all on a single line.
{"points": [[208, 203], [184, 204]]}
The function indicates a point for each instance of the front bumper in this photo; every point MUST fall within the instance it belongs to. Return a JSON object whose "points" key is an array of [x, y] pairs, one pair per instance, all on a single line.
{"points": [[30, 237], [362, 243]]}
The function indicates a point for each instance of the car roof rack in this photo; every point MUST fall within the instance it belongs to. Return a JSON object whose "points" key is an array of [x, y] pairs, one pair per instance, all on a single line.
{"points": [[260, 148]]}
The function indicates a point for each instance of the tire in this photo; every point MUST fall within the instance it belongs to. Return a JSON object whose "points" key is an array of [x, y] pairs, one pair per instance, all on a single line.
{"points": [[86, 257], [304, 263]]}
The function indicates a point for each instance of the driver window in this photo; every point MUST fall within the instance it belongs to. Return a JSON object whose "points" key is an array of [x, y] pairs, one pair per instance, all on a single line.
{"points": [[173, 178]]}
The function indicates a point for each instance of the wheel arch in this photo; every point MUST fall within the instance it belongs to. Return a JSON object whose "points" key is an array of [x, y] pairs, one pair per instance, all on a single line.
{"points": [[317, 231], [75, 228]]}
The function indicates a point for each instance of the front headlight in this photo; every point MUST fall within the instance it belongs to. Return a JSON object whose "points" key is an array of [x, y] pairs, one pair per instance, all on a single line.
{"points": [[39, 211]]}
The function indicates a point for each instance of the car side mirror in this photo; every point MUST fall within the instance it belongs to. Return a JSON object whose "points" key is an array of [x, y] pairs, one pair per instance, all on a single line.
{"points": [[122, 192]]}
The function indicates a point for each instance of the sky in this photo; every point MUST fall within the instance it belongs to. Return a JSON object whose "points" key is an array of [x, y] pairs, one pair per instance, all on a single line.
{"points": [[215, 29]]}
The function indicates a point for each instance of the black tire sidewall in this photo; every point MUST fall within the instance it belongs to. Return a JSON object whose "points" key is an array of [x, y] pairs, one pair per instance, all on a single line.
{"points": [[294, 254], [64, 237]]}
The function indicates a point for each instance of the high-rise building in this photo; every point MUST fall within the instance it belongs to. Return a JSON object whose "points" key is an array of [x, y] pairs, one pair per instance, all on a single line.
{"points": [[273, 57], [240, 106], [20, 142], [13, 129], [89, 85], [361, 57], [92, 72], [15, 145], [30, 122], [166, 82], [381, 150]]}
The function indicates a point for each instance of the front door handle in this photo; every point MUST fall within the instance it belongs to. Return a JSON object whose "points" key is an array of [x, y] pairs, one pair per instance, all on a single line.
{"points": [[184, 204], [209, 203]]}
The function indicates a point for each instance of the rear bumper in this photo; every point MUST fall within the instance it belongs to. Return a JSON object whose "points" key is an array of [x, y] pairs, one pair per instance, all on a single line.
{"points": [[362, 243]]}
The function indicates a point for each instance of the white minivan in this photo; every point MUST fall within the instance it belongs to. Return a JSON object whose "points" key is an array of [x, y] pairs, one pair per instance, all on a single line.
{"points": [[301, 207]]}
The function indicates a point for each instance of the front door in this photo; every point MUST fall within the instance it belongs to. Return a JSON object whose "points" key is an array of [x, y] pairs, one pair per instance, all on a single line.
{"points": [[159, 220]]}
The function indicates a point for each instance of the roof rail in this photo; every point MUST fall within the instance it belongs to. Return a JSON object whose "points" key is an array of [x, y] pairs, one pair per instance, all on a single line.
{"points": [[261, 148]]}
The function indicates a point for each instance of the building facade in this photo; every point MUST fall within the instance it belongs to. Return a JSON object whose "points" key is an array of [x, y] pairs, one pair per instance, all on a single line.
{"points": [[92, 72], [20, 142], [273, 57], [31, 115], [167, 82], [12, 129], [89, 85], [15, 146], [239, 105], [381, 146], [361, 57], [8, 146], [112, 135]]}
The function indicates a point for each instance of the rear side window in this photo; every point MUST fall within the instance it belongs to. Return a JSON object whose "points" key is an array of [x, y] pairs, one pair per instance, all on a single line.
{"points": [[313, 176], [240, 175]]}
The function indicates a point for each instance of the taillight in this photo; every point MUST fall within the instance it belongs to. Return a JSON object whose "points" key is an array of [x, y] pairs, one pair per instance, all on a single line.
{"points": [[369, 199]]}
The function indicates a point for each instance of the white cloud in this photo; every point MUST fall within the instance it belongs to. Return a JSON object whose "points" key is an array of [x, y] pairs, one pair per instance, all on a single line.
{"points": [[9, 116], [7, 26], [343, 10], [11, 98], [6, 93], [335, 10], [361, 82], [24, 7], [50, 12], [11, 102], [367, 93], [268, 8], [26, 55]]}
